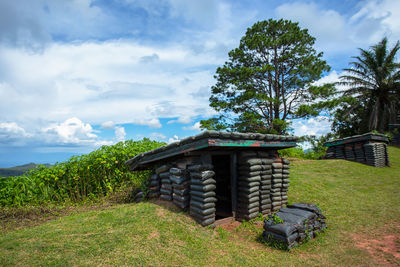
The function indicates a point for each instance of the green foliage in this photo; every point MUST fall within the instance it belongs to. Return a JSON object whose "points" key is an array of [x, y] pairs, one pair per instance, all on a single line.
{"points": [[276, 219], [268, 80], [98, 173], [372, 99]]}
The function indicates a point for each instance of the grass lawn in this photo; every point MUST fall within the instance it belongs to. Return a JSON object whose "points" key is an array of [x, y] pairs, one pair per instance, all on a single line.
{"points": [[361, 203]]}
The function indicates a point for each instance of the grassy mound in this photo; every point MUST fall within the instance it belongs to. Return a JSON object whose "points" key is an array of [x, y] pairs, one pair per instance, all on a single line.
{"points": [[361, 204]]}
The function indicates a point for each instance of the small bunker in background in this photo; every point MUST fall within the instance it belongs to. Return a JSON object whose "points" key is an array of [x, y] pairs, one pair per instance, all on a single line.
{"points": [[217, 175], [368, 148]]}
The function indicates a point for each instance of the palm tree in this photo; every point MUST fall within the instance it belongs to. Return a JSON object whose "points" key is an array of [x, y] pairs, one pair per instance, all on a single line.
{"points": [[374, 80]]}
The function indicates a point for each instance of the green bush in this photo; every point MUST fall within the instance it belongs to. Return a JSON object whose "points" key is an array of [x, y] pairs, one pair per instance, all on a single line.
{"points": [[96, 174]]}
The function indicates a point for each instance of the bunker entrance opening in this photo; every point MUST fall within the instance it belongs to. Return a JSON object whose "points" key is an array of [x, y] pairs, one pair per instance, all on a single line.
{"points": [[222, 168]]}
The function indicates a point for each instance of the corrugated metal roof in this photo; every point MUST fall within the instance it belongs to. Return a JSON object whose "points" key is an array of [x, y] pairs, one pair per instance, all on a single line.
{"points": [[212, 140]]}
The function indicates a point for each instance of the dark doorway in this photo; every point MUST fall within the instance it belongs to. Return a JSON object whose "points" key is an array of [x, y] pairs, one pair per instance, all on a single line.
{"points": [[222, 168]]}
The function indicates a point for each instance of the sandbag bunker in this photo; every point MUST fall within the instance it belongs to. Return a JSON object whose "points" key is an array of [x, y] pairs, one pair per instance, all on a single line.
{"points": [[368, 148], [293, 225], [217, 175]]}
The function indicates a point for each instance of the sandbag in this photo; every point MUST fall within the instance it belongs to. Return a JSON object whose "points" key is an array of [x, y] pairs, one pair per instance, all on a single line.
{"points": [[202, 205], [162, 168], [167, 186], [165, 191], [276, 176], [202, 182], [154, 177], [248, 195], [183, 192], [276, 199], [250, 162], [249, 178], [203, 188], [276, 194], [199, 217], [265, 206], [176, 171], [248, 205], [266, 175], [277, 165], [252, 173], [203, 200], [290, 218], [166, 197], [203, 212], [265, 201], [248, 184], [203, 194], [177, 179], [300, 212], [180, 198], [182, 186], [304, 206], [182, 205], [249, 190], [247, 200], [246, 211], [265, 187], [164, 175], [165, 181], [267, 235], [204, 175], [199, 167], [154, 183], [277, 185], [247, 168]]}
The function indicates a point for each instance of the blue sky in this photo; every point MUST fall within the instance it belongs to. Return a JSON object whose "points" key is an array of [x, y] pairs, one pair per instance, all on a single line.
{"points": [[78, 74]]}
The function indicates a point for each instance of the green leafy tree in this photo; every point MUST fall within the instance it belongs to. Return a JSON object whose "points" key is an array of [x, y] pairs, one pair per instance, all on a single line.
{"points": [[373, 93], [268, 80]]}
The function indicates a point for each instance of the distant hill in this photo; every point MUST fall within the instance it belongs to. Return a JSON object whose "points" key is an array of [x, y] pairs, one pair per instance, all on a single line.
{"points": [[18, 170]]}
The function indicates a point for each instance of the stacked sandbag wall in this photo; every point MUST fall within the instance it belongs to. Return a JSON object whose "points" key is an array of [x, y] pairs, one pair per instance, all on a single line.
{"points": [[285, 180], [166, 185], [376, 154], [293, 225], [249, 179], [202, 194], [276, 188], [181, 187], [266, 182], [154, 186]]}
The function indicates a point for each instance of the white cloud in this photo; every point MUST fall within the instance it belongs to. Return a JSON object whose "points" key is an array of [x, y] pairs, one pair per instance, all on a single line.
{"points": [[194, 127], [152, 123], [332, 77], [120, 133], [158, 136], [71, 131], [109, 125], [175, 138], [327, 25], [376, 19], [338, 33], [315, 126]]}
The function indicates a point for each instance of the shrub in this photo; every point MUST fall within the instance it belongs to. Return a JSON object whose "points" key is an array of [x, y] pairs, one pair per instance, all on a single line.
{"points": [[98, 173]]}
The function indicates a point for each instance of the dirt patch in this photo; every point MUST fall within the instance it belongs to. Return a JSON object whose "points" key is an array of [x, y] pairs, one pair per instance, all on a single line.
{"points": [[154, 235], [385, 250], [230, 227]]}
